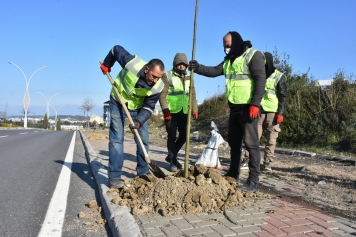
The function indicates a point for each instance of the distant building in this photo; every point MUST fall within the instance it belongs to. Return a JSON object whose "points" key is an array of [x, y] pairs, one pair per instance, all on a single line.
{"points": [[106, 114], [325, 84], [96, 118]]}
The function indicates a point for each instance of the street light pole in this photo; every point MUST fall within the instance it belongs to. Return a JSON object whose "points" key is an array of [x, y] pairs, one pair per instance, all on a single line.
{"points": [[55, 120], [26, 99], [48, 101]]}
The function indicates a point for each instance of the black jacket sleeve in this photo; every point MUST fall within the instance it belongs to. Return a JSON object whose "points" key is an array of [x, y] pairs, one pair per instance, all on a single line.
{"points": [[209, 71], [258, 73], [282, 94]]}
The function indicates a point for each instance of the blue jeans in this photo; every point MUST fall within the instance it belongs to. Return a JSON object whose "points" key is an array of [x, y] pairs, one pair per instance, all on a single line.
{"points": [[116, 141]]}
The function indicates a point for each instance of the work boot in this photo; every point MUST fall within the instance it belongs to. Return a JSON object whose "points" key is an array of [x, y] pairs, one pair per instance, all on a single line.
{"points": [[244, 164], [147, 174], [116, 183], [175, 166], [249, 186], [230, 174], [168, 159], [267, 166]]}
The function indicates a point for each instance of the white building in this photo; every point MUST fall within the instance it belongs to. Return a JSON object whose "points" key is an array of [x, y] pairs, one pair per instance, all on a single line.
{"points": [[325, 84]]}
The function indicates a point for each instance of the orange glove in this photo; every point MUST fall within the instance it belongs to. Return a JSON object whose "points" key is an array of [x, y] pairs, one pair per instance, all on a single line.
{"points": [[167, 115], [279, 118], [104, 69], [195, 115], [253, 111]]}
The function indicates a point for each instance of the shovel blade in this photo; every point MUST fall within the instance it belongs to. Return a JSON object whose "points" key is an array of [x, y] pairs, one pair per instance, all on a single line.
{"points": [[156, 170]]}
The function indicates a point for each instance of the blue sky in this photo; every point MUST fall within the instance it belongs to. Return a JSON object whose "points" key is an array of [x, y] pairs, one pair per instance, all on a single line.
{"points": [[70, 37]]}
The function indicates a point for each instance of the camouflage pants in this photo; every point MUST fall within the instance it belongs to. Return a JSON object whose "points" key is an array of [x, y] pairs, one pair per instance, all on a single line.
{"points": [[267, 122]]}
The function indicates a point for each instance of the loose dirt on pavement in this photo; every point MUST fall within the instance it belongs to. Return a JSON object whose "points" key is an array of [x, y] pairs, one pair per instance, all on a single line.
{"points": [[205, 190], [328, 185]]}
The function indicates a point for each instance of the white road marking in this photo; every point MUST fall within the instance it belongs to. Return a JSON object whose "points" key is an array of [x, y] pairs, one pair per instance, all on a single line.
{"points": [[53, 223], [35, 131], [23, 132], [4, 136]]}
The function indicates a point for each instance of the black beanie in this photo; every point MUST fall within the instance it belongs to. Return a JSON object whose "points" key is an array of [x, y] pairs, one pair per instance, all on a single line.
{"points": [[269, 64]]}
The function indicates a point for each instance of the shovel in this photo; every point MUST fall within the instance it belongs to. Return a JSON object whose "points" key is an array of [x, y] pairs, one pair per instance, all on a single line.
{"points": [[151, 163]]}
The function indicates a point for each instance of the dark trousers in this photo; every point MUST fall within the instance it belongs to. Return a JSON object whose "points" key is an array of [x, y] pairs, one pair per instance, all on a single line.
{"points": [[174, 144], [242, 127]]}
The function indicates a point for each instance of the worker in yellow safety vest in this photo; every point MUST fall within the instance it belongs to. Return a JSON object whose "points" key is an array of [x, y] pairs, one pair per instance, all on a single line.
{"points": [[272, 111], [245, 76], [174, 101], [140, 86]]}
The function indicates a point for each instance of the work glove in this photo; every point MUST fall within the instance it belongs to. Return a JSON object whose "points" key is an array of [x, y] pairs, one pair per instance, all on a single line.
{"points": [[254, 111], [104, 69], [279, 118], [195, 115], [136, 126], [193, 65], [167, 115]]}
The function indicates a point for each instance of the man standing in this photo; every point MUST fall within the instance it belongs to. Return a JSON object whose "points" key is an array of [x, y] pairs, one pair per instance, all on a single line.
{"points": [[140, 86], [174, 102], [244, 70], [273, 107]]}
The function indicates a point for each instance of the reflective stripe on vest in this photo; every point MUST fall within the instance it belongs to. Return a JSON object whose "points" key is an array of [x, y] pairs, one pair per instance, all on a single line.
{"points": [[269, 101], [178, 94], [239, 83], [125, 83]]}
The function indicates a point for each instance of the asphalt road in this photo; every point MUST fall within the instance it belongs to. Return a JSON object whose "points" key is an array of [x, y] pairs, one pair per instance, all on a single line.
{"points": [[30, 165]]}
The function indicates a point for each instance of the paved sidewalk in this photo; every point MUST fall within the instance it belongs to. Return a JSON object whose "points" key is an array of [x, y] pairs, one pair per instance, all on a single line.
{"points": [[270, 217]]}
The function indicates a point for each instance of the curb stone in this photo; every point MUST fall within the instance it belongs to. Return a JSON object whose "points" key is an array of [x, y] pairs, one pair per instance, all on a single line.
{"points": [[120, 220], [313, 154]]}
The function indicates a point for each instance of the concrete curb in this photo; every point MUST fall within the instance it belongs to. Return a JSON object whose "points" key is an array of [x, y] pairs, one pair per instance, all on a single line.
{"points": [[312, 154], [120, 220]]}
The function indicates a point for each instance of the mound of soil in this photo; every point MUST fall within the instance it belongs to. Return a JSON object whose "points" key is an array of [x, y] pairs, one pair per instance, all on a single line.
{"points": [[205, 190]]}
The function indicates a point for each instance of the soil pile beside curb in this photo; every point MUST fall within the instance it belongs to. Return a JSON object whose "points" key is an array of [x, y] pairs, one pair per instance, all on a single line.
{"points": [[203, 191]]}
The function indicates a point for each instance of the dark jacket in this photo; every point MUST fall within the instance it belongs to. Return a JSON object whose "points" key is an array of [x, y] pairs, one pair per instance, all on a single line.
{"points": [[281, 90], [257, 69], [120, 55]]}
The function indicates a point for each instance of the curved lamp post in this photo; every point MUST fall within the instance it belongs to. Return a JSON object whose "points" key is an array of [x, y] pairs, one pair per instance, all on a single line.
{"points": [[47, 110], [55, 120], [26, 98]]}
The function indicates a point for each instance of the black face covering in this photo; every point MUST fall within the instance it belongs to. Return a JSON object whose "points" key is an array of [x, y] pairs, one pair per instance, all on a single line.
{"points": [[236, 46], [269, 64], [180, 71]]}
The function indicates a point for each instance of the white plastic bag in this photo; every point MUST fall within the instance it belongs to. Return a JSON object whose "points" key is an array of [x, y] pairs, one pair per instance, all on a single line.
{"points": [[210, 157]]}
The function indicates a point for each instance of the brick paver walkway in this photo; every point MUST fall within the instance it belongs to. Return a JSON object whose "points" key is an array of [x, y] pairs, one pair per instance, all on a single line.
{"points": [[270, 217]]}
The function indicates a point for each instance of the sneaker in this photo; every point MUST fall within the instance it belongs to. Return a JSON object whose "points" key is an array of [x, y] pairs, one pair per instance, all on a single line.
{"points": [[249, 186], [116, 183], [267, 166], [244, 165], [175, 166], [168, 159]]}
